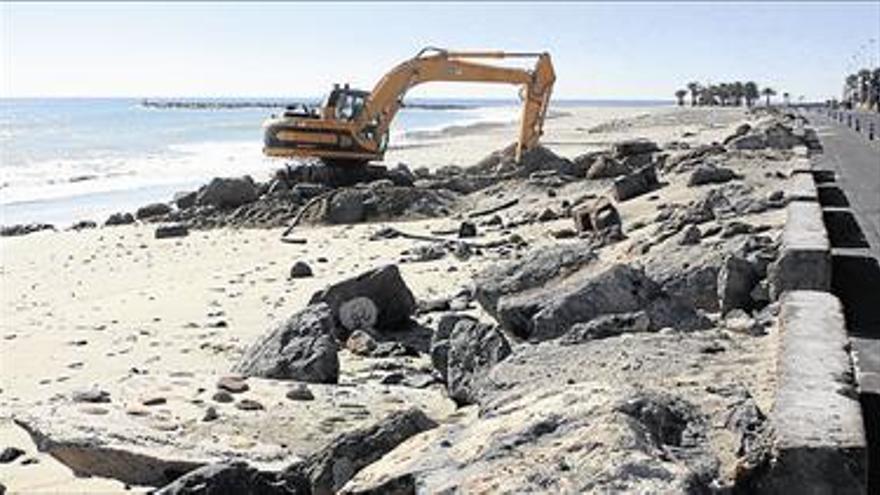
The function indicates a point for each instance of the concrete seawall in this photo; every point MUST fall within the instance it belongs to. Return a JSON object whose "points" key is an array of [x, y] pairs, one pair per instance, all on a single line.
{"points": [[820, 443]]}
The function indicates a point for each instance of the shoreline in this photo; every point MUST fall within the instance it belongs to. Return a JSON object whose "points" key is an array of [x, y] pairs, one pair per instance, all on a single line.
{"points": [[419, 152]]}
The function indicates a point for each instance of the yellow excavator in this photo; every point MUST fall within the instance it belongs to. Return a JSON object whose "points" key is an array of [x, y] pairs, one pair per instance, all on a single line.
{"points": [[352, 126]]}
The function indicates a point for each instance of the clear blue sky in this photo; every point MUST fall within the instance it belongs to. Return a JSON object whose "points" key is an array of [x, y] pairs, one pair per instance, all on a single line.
{"points": [[633, 50]]}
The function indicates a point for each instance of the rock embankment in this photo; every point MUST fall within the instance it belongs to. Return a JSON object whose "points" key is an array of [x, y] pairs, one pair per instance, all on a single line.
{"points": [[617, 334]]}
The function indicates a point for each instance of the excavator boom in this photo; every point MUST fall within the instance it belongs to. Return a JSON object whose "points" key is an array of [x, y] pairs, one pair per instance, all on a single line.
{"points": [[353, 126]]}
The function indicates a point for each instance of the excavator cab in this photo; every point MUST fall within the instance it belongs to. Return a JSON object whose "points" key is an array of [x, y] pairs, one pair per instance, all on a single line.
{"points": [[344, 103]]}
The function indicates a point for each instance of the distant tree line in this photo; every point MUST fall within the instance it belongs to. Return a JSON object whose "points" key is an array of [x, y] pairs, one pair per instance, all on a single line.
{"points": [[862, 90], [733, 94]]}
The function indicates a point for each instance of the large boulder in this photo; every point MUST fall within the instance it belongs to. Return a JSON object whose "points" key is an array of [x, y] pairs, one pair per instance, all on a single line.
{"points": [[710, 174], [606, 167], [227, 192], [328, 469], [474, 348], [152, 210], [119, 219], [302, 348], [597, 216], [549, 312], [635, 184], [578, 438], [736, 279], [535, 269], [383, 286], [632, 147], [347, 206], [226, 478]]}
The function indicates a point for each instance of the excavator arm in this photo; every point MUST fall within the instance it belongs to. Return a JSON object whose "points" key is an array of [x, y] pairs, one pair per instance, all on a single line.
{"points": [[441, 65]]}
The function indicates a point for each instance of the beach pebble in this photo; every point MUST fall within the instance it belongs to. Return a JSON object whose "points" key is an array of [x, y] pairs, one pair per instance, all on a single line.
{"points": [[233, 384], [210, 414], [223, 396], [95, 410], [171, 230], [300, 391], [10, 454], [91, 395], [301, 269], [249, 405], [154, 401], [360, 343], [467, 229]]}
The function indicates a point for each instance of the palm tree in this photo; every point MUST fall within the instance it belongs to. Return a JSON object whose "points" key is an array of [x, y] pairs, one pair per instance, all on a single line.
{"points": [[768, 92], [751, 93], [864, 86], [694, 88], [738, 91], [851, 89], [680, 94]]}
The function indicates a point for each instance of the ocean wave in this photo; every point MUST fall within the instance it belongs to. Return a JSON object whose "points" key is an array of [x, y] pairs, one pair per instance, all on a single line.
{"points": [[179, 164]]}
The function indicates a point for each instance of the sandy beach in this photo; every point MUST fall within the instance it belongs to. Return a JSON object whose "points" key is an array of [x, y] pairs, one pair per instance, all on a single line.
{"points": [[117, 309]]}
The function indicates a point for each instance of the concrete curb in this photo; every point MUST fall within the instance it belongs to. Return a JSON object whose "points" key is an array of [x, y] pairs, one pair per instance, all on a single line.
{"points": [[820, 444], [805, 255]]}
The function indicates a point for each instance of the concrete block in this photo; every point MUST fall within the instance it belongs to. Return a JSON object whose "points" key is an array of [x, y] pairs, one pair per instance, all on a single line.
{"points": [[802, 187], [805, 256], [820, 444]]}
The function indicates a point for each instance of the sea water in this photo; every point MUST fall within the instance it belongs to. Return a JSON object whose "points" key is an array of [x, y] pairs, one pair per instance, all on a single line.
{"points": [[64, 160]]}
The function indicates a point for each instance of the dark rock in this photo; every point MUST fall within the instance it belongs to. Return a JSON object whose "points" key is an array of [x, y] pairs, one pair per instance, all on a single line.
{"points": [[10, 454], [233, 384], [171, 230], [227, 478], [210, 414], [741, 130], [120, 219], [690, 236], [300, 269], [535, 269], [92, 395], [605, 167], [383, 286], [331, 467], [467, 229], [83, 225], [583, 163], [228, 192], [598, 216], [24, 229], [547, 215], [735, 282], [710, 174], [607, 326], [302, 348], [634, 147], [152, 210], [185, 199], [360, 343], [474, 348], [222, 396], [547, 313], [439, 347], [249, 405], [346, 206], [300, 392], [635, 184], [748, 142]]}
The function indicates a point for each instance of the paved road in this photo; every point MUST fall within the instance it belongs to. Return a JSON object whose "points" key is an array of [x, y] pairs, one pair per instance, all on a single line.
{"points": [[856, 161]]}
